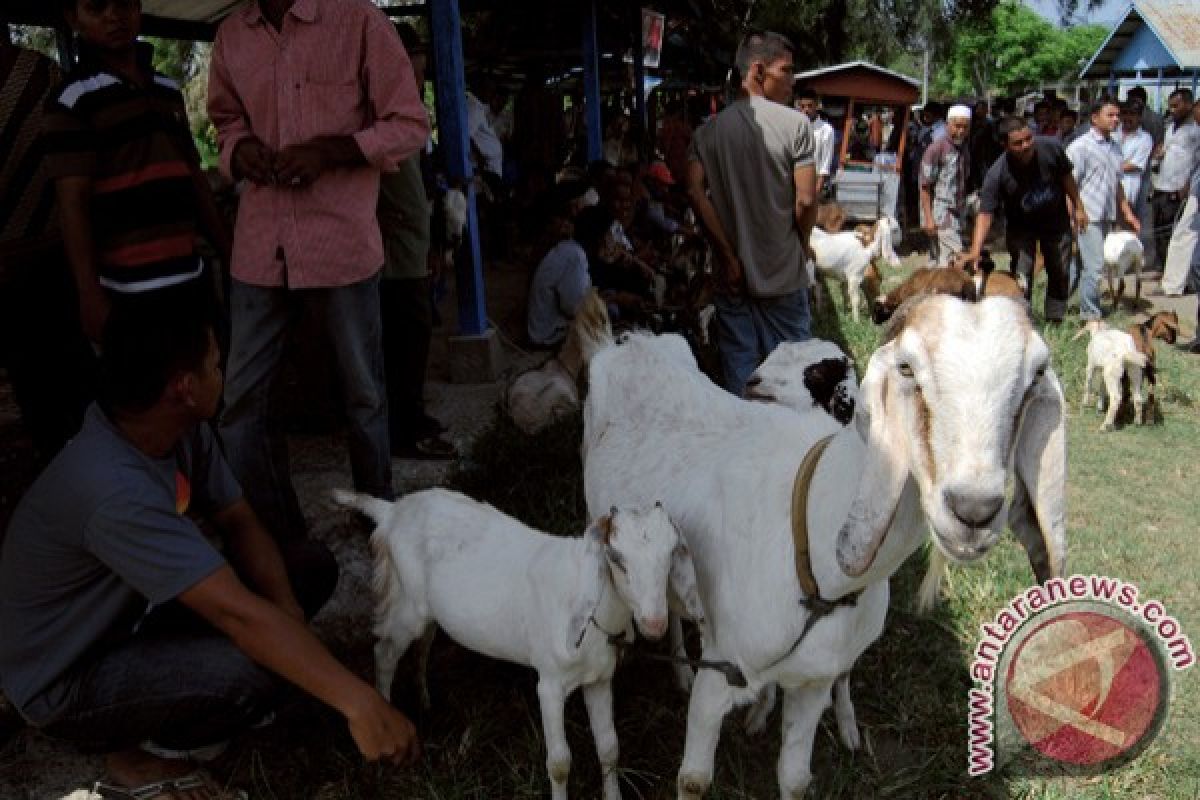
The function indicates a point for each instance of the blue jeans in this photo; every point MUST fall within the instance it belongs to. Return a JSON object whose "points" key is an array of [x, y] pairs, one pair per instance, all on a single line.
{"points": [[1091, 256], [261, 317], [748, 329], [176, 682]]}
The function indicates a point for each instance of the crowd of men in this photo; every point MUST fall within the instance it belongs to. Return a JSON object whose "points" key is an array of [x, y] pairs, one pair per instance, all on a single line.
{"points": [[123, 627]]}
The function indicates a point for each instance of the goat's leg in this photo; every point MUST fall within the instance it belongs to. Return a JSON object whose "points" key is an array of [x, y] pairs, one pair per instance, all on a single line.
{"points": [[843, 707], [426, 645], [685, 676], [1112, 386], [710, 701], [1087, 383], [389, 649], [1135, 390], [855, 302], [802, 709], [552, 697], [599, 701], [760, 710]]}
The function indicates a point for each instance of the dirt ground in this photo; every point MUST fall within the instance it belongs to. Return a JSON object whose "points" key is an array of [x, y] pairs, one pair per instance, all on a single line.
{"points": [[33, 767]]}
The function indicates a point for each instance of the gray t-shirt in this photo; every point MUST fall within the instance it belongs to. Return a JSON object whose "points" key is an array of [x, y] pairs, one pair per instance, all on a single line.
{"points": [[559, 285], [99, 539], [750, 152]]}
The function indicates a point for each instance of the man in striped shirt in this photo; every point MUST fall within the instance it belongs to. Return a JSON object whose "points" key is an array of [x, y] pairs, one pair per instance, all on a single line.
{"points": [[1097, 162], [130, 189], [49, 363], [312, 100]]}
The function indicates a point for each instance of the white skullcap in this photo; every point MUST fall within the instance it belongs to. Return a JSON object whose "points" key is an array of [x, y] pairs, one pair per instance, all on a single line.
{"points": [[959, 112]]}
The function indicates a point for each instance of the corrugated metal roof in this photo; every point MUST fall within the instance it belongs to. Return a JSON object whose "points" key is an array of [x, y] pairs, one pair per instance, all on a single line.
{"points": [[801, 76], [1175, 23]]}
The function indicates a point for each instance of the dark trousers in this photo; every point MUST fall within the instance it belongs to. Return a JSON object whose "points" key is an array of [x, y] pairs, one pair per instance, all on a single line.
{"points": [[1165, 208], [407, 328], [1056, 254], [177, 682], [51, 366]]}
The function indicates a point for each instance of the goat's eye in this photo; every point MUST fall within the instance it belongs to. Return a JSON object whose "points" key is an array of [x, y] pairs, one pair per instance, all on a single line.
{"points": [[905, 369], [1041, 373]]}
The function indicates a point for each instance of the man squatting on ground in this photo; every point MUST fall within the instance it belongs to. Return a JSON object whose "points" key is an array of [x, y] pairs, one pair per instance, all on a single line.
{"points": [[122, 628], [752, 182]]}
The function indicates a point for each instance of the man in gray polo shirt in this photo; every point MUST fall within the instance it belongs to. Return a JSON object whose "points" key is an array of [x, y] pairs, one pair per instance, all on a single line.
{"points": [[752, 182]]}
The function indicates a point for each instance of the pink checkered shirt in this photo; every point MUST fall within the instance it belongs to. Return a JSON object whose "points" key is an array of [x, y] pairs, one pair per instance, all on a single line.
{"points": [[336, 67]]}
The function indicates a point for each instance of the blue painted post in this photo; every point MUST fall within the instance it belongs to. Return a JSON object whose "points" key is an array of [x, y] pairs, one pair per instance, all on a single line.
{"points": [[591, 84], [450, 84]]}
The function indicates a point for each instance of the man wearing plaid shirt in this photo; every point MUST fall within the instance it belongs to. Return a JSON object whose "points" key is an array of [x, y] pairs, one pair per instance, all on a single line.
{"points": [[1097, 160]]}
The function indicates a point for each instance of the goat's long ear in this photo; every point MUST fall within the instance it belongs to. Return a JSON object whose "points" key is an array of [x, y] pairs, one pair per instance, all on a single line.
{"points": [[884, 473], [1038, 514], [591, 582], [684, 585]]}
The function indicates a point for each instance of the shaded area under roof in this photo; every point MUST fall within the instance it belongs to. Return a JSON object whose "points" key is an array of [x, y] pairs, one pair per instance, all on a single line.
{"points": [[1153, 35]]}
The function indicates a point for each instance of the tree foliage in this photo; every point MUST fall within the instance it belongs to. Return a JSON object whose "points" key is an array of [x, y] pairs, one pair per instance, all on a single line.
{"points": [[1012, 50]]}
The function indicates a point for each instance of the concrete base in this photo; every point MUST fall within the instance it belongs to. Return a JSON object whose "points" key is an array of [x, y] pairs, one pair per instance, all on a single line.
{"points": [[475, 359]]}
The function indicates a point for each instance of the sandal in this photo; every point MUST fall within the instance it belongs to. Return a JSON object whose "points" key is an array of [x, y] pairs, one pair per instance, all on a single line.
{"points": [[162, 789], [429, 448]]}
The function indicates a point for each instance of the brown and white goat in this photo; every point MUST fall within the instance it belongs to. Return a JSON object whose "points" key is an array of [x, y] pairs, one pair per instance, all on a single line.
{"points": [[1126, 359], [540, 396], [954, 281]]}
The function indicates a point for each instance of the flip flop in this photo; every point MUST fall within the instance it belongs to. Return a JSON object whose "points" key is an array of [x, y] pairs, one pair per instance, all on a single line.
{"points": [[429, 448], [162, 789]]}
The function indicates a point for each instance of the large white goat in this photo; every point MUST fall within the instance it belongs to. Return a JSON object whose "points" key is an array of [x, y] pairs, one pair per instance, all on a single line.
{"points": [[847, 259], [510, 592], [958, 399]]}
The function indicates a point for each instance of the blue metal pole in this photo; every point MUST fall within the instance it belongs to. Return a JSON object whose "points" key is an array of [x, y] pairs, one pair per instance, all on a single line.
{"points": [[450, 84], [639, 79], [591, 84]]}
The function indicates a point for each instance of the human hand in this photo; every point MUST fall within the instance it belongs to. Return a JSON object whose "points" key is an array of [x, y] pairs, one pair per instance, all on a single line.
{"points": [[298, 165], [1081, 219], [1132, 221], [94, 306], [254, 161], [383, 733], [929, 228], [731, 275]]}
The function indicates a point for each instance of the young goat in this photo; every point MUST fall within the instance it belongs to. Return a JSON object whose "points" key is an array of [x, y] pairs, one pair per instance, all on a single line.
{"points": [[954, 281], [540, 396], [1125, 356], [1122, 254], [510, 592], [844, 257], [807, 376]]}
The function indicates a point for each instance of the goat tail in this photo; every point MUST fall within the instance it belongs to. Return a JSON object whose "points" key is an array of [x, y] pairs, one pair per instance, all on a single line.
{"points": [[373, 507], [1090, 327], [927, 595]]}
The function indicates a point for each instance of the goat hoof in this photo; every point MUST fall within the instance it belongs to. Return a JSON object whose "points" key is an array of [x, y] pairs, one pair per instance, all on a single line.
{"points": [[1107, 428], [692, 787]]}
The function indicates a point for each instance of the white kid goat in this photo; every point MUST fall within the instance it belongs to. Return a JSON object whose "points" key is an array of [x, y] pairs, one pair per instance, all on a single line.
{"points": [[505, 590], [847, 259], [959, 398], [1123, 254]]}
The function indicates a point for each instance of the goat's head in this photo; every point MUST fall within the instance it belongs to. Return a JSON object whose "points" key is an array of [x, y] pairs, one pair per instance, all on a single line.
{"points": [[644, 555], [958, 395], [804, 375], [1165, 325]]}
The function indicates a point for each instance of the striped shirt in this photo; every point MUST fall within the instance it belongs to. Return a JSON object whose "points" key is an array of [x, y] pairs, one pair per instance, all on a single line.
{"points": [[334, 68], [1097, 161], [28, 221], [133, 142]]}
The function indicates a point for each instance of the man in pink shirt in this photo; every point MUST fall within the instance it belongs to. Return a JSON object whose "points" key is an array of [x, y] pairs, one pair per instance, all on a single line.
{"points": [[311, 99]]}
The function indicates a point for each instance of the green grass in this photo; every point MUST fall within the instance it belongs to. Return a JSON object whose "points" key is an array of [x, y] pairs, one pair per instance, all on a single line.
{"points": [[1132, 515]]}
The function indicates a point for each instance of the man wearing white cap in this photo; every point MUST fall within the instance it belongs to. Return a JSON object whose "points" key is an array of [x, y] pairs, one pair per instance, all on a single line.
{"points": [[943, 184]]}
